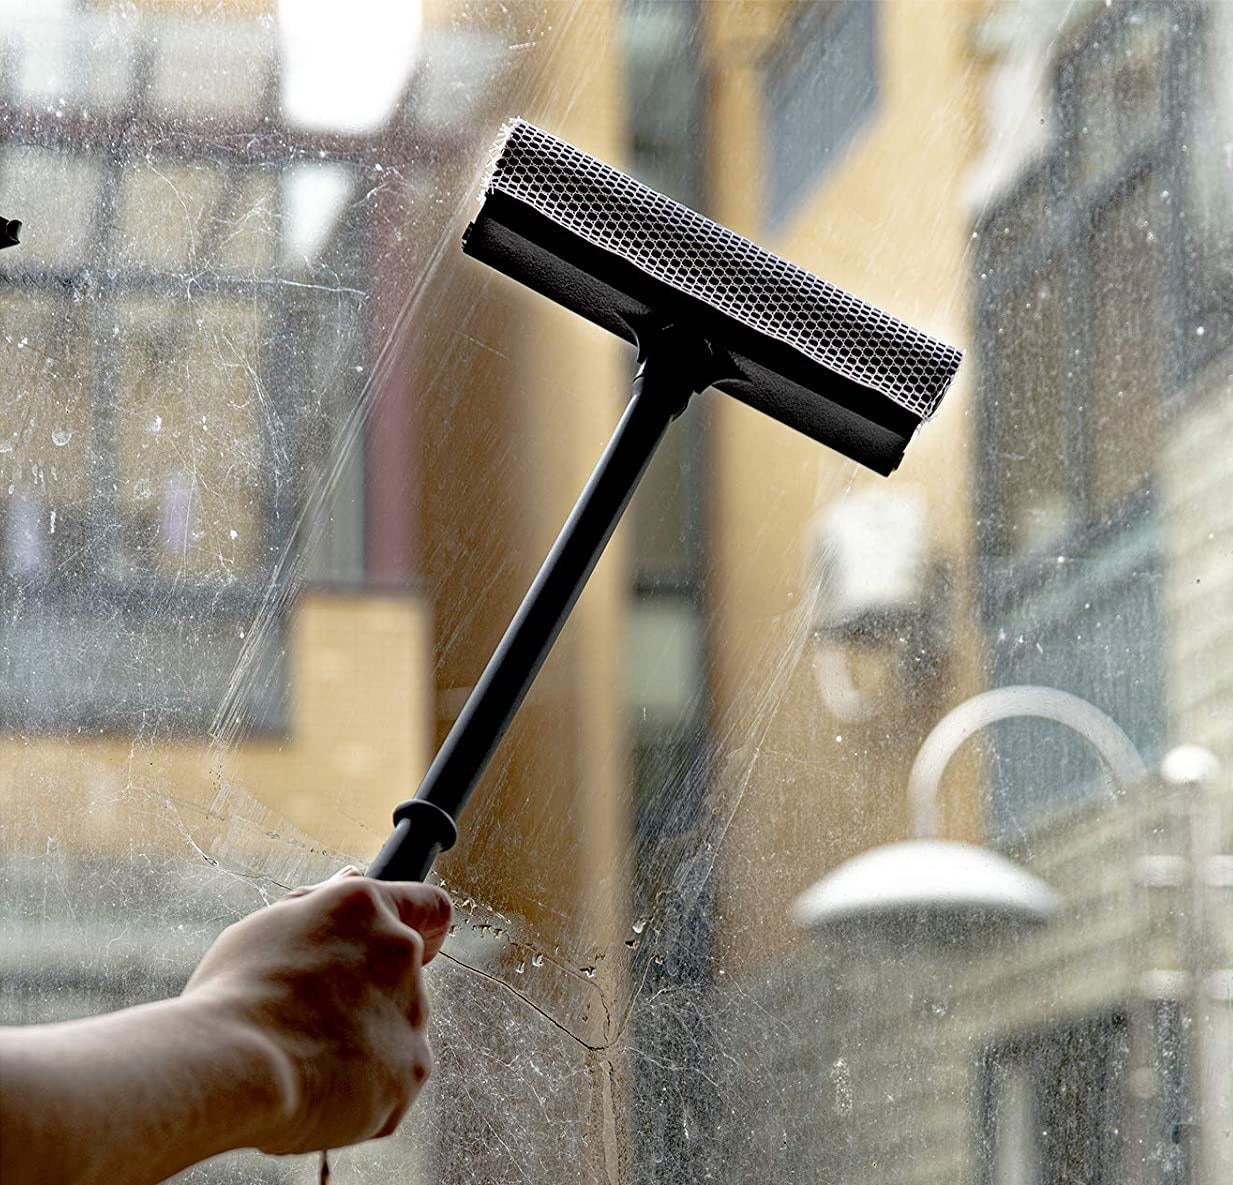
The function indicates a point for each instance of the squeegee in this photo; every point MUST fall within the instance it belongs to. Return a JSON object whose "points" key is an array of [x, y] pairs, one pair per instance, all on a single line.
{"points": [[705, 307]]}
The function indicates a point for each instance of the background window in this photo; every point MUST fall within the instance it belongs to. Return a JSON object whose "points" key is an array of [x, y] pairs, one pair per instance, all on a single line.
{"points": [[1031, 407], [1080, 328], [1129, 339], [821, 90]]}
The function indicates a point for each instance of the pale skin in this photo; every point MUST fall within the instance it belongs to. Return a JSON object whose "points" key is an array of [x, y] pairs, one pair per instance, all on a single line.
{"points": [[303, 1028]]}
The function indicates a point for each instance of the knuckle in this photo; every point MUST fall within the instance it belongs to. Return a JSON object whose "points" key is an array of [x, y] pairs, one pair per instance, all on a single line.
{"points": [[435, 907], [395, 1117], [355, 902], [419, 1064], [401, 945], [415, 944], [395, 955]]}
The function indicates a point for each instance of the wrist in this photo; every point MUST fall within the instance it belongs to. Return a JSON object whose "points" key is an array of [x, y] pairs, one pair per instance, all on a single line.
{"points": [[259, 1091]]}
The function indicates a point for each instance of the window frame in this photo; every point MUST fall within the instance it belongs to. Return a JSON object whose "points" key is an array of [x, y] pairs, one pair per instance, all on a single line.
{"points": [[1023, 587], [813, 30], [101, 278], [1006, 578]]}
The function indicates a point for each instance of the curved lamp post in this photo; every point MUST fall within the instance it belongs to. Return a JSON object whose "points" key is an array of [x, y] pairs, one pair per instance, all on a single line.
{"points": [[960, 888]]}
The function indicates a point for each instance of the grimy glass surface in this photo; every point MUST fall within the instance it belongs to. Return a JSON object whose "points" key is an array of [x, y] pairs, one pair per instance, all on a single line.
{"points": [[277, 463]]}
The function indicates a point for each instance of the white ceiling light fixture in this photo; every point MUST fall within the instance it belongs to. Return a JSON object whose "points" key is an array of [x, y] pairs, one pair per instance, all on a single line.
{"points": [[942, 888]]}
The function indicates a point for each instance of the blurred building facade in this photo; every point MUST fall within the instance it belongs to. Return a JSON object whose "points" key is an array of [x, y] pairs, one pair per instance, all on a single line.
{"points": [[1079, 260]]}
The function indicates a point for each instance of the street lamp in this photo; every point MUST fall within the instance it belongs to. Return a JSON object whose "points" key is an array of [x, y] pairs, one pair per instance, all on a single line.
{"points": [[959, 890]]}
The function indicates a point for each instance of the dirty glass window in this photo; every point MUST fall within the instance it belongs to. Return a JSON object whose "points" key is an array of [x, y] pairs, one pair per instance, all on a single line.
{"points": [[857, 829]]}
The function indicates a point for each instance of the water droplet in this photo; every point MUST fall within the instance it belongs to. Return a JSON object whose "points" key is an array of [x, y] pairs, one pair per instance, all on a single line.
{"points": [[61, 436]]}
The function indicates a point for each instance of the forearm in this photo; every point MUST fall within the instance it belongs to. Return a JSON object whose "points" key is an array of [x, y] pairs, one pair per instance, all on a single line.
{"points": [[131, 1097]]}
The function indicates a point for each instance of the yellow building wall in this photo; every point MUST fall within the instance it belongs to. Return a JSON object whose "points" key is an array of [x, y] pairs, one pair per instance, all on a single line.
{"points": [[281, 807], [518, 398], [886, 223]]}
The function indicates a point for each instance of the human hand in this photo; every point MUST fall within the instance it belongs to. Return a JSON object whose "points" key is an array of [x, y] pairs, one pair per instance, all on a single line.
{"points": [[329, 982]]}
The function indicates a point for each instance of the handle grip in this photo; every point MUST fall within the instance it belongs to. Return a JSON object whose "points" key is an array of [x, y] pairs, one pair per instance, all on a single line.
{"points": [[422, 831]]}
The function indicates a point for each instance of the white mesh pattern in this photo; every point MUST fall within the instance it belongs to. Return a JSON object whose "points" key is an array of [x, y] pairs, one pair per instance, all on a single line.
{"points": [[680, 247]]}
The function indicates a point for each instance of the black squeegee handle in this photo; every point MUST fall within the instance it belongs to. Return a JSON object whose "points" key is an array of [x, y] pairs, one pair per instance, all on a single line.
{"points": [[424, 826]]}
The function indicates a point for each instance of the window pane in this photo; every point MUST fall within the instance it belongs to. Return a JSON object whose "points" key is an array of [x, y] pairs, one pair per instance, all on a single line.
{"points": [[169, 213], [46, 444], [1031, 413], [57, 194], [245, 241], [1209, 181], [843, 837], [210, 69], [1127, 346], [821, 89], [193, 472]]}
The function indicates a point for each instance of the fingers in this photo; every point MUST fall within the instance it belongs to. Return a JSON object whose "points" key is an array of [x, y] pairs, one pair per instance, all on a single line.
{"points": [[424, 908], [417, 1005], [304, 890], [415, 1071]]}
